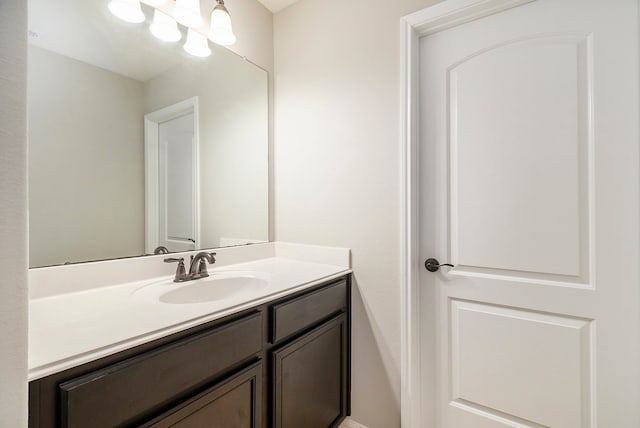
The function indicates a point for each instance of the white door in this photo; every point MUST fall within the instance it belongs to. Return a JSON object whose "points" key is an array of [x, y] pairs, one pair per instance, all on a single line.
{"points": [[529, 185], [177, 180]]}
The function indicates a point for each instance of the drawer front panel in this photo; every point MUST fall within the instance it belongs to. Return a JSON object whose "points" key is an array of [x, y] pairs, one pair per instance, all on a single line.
{"points": [[138, 387], [294, 315]]}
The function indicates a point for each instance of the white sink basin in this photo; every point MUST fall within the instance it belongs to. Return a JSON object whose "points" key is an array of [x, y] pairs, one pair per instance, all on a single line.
{"points": [[212, 288], [217, 287]]}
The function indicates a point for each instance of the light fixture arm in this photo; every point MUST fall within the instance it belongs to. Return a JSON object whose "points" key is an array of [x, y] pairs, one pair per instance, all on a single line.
{"points": [[221, 5]]}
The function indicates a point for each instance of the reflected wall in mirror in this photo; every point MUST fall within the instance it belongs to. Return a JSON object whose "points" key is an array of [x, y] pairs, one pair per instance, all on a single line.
{"points": [[99, 90]]}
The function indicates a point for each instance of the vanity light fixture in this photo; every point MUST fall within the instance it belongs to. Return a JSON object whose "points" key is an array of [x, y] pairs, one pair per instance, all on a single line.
{"points": [[127, 10], [221, 30], [187, 12], [197, 44], [165, 27]]}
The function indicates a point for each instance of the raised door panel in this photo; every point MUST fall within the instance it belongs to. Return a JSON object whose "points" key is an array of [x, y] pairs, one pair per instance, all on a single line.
{"points": [[234, 403], [519, 172], [310, 378], [519, 362]]}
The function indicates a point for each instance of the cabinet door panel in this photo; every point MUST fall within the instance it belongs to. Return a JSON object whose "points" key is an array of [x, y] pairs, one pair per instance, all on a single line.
{"points": [[234, 403], [310, 378]]}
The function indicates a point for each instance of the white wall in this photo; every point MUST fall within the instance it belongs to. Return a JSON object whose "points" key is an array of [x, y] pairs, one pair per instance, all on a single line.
{"points": [[86, 157], [13, 214], [337, 167], [253, 26]]}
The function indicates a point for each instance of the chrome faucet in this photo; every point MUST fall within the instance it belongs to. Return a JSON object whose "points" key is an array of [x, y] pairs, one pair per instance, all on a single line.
{"points": [[197, 268]]}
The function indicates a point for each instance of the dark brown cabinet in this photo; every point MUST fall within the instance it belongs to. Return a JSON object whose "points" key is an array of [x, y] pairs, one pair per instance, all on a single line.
{"points": [[310, 386], [295, 314], [283, 364], [234, 403], [127, 392]]}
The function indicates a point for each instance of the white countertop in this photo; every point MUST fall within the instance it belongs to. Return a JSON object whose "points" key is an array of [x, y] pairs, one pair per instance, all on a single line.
{"points": [[70, 329]]}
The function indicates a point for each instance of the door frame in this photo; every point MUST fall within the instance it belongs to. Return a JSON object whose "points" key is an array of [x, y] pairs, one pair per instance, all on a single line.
{"points": [[439, 17], [152, 123]]}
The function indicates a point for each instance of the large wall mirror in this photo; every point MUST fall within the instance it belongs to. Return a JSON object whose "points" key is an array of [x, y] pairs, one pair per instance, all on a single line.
{"points": [[134, 144]]}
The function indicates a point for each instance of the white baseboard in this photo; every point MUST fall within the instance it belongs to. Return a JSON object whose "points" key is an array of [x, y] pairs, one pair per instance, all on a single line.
{"points": [[350, 423]]}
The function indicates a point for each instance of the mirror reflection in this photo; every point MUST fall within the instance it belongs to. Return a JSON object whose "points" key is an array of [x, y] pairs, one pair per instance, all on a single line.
{"points": [[135, 145]]}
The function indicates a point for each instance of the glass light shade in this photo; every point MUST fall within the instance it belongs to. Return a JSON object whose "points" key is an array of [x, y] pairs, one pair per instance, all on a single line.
{"points": [[187, 12], [197, 44], [127, 10], [165, 27], [154, 3], [221, 31]]}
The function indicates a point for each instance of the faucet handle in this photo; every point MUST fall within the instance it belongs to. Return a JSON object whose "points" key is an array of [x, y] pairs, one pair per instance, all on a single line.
{"points": [[202, 266], [202, 269], [181, 272]]}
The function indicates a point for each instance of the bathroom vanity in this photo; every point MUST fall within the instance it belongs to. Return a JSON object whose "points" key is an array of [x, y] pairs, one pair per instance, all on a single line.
{"points": [[276, 357]]}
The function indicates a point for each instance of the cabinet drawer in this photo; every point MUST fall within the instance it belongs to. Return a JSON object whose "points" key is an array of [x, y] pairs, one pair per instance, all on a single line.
{"points": [[234, 402], [296, 314], [133, 389]]}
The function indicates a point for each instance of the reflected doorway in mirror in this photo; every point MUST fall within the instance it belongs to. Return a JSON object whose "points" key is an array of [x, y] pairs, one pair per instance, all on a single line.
{"points": [[171, 177]]}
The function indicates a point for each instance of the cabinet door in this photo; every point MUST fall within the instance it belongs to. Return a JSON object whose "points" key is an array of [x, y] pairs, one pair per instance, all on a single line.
{"points": [[310, 378], [233, 403]]}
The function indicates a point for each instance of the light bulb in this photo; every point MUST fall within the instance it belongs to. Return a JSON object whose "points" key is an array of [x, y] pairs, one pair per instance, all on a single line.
{"points": [[197, 44], [187, 12], [127, 10], [165, 27], [221, 31]]}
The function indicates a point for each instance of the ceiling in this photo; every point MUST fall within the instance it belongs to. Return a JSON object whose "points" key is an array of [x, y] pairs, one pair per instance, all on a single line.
{"points": [[277, 5]]}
